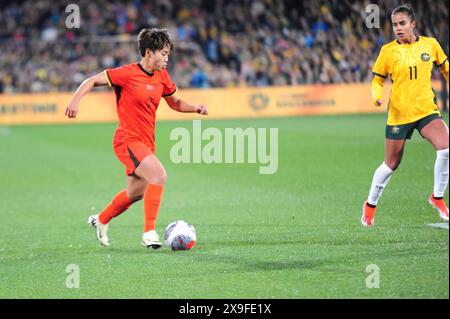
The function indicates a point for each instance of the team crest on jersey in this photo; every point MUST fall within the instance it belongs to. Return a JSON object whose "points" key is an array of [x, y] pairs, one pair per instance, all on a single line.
{"points": [[425, 57], [149, 87], [395, 130]]}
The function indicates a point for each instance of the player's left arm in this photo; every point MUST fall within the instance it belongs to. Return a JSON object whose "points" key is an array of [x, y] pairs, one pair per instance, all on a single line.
{"points": [[175, 103], [441, 59], [444, 69], [179, 105]]}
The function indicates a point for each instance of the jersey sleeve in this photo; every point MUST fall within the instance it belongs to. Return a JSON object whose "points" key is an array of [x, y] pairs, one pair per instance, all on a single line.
{"points": [[439, 55], [169, 88], [377, 89], [117, 76], [380, 67]]}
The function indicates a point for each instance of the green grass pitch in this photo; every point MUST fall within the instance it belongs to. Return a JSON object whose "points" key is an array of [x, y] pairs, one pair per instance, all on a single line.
{"points": [[294, 234]]}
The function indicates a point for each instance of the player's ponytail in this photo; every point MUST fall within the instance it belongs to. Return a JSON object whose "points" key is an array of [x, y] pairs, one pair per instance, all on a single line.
{"points": [[405, 8]]}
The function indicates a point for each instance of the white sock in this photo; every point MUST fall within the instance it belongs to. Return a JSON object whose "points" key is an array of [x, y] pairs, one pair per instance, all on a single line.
{"points": [[440, 173], [379, 182]]}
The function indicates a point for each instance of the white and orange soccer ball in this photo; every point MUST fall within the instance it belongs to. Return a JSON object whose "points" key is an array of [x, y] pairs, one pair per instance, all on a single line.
{"points": [[180, 235]]}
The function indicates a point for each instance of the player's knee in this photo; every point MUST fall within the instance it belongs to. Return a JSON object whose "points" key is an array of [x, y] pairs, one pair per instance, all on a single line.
{"points": [[441, 145], [159, 179]]}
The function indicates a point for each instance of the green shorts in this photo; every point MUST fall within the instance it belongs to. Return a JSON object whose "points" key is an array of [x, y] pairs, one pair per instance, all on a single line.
{"points": [[405, 131]]}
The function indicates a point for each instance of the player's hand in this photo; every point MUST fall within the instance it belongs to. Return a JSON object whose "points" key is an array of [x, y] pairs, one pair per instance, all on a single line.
{"points": [[378, 103], [201, 109], [72, 110]]}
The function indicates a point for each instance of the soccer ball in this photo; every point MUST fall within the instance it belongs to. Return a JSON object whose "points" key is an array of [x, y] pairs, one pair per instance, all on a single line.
{"points": [[180, 235]]}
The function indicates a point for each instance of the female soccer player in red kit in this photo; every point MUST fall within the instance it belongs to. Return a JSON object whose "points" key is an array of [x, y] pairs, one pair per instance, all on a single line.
{"points": [[138, 88]]}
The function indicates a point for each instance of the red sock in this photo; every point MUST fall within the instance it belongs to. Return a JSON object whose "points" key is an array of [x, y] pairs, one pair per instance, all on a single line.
{"points": [[118, 205], [152, 201]]}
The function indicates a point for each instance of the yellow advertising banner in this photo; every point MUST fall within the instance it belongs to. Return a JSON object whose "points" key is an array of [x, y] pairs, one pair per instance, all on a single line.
{"points": [[223, 103]]}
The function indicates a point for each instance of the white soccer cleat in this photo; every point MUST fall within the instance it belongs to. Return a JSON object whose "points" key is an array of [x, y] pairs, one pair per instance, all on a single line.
{"points": [[100, 230], [151, 239]]}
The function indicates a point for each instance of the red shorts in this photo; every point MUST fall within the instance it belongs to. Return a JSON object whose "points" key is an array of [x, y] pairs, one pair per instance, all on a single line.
{"points": [[132, 153]]}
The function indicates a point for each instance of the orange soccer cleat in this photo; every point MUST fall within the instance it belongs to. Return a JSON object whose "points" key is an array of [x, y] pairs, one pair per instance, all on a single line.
{"points": [[368, 214], [439, 204]]}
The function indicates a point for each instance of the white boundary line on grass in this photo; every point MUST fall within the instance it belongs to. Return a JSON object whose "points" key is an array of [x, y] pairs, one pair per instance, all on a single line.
{"points": [[439, 225]]}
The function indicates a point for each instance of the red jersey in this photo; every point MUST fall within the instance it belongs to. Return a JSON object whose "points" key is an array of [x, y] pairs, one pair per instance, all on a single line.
{"points": [[138, 93]]}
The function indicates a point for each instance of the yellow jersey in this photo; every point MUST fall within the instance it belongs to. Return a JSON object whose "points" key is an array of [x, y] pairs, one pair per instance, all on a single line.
{"points": [[409, 66]]}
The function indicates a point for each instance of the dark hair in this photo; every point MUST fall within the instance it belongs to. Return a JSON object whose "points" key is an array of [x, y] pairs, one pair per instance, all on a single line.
{"points": [[405, 8], [153, 39]]}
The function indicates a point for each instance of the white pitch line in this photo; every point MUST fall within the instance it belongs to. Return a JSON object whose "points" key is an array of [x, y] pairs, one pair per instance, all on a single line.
{"points": [[439, 225]]}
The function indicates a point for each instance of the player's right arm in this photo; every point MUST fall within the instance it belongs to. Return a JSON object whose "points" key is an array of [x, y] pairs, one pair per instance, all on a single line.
{"points": [[377, 90], [380, 71], [87, 85]]}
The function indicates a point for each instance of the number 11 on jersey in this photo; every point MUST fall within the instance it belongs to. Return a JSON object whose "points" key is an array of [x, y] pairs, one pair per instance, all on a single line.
{"points": [[411, 72]]}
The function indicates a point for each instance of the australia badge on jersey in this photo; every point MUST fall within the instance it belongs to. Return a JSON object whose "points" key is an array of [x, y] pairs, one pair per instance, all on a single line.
{"points": [[425, 57]]}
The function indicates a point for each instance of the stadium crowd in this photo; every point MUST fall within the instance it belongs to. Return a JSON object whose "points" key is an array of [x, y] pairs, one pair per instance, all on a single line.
{"points": [[217, 43]]}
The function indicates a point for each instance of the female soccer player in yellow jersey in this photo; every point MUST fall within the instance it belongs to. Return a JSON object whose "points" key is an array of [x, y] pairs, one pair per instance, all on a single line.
{"points": [[408, 61]]}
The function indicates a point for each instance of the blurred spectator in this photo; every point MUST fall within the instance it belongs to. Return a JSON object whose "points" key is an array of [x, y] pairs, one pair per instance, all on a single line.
{"points": [[217, 43], [199, 79]]}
